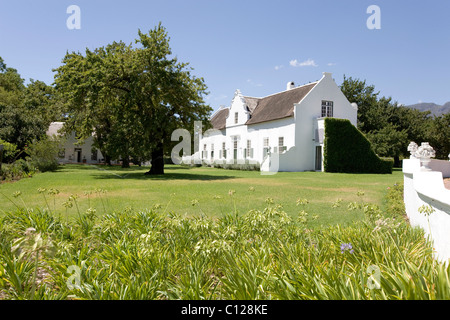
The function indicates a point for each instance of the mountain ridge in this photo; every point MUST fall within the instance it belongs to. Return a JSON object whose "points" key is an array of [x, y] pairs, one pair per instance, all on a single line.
{"points": [[434, 108]]}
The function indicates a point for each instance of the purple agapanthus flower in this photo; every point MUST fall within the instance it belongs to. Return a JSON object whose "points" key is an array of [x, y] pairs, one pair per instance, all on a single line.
{"points": [[346, 246]]}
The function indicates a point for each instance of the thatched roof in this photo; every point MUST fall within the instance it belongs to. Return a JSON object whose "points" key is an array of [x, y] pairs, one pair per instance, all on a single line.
{"points": [[219, 119], [273, 107], [278, 106]]}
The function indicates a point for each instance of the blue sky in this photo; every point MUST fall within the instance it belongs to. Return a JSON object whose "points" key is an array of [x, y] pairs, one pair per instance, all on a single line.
{"points": [[254, 46]]}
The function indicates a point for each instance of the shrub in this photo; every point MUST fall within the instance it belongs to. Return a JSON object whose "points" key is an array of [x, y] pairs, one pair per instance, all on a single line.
{"points": [[262, 254], [17, 170], [395, 205], [247, 166], [348, 150], [9, 151], [43, 153]]}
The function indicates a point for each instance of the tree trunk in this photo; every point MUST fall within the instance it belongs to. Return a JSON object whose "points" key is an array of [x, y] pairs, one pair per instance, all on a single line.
{"points": [[397, 163], [108, 160], [157, 160], [125, 162]]}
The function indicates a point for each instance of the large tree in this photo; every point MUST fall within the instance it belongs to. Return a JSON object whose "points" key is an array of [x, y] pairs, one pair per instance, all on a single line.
{"points": [[25, 110], [439, 136], [365, 97], [389, 142], [132, 98], [390, 127]]}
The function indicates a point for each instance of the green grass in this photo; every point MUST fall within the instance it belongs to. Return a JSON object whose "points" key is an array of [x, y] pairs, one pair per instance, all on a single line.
{"points": [[266, 251], [256, 255], [194, 191]]}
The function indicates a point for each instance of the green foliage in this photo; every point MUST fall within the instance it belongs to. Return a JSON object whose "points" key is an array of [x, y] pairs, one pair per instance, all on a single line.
{"points": [[364, 96], [138, 255], [388, 141], [43, 153], [247, 166], [439, 136], [17, 170], [134, 99], [390, 127], [394, 198], [347, 150], [25, 111], [9, 151]]}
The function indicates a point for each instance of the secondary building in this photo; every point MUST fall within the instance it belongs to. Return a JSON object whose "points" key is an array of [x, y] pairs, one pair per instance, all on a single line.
{"points": [[73, 151]]}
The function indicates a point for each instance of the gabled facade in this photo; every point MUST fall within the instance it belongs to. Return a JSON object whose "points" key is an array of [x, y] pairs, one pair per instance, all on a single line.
{"points": [[280, 132], [73, 151]]}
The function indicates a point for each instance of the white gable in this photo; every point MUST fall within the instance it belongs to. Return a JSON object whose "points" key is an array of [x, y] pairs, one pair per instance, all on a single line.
{"points": [[239, 112]]}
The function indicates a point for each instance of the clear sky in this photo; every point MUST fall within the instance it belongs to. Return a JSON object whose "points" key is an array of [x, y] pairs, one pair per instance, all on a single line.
{"points": [[254, 46]]}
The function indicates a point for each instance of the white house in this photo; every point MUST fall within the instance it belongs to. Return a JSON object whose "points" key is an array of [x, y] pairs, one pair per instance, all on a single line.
{"points": [[73, 151], [281, 132]]}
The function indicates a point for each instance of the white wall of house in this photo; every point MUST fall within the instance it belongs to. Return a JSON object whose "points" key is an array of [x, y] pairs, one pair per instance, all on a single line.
{"points": [[237, 107], [309, 111], [298, 132], [73, 152], [82, 153], [273, 130]]}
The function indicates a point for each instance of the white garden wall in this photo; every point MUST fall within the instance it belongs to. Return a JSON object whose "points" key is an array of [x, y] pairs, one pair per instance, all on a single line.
{"points": [[426, 189]]}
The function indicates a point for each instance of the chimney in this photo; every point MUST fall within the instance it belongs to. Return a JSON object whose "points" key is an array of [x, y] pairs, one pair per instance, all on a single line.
{"points": [[290, 85]]}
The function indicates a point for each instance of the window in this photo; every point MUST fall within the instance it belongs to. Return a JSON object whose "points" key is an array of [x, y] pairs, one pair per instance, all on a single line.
{"points": [[249, 150], [224, 150], [281, 146], [235, 147], [265, 147], [204, 153], [236, 117], [212, 151], [94, 154], [327, 109]]}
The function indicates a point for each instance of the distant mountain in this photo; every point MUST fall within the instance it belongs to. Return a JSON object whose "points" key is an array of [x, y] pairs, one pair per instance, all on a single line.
{"points": [[433, 107]]}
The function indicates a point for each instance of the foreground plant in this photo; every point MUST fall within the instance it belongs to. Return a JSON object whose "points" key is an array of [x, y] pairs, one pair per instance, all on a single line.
{"points": [[259, 254]]}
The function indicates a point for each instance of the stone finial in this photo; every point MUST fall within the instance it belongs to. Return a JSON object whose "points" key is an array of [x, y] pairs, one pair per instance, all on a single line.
{"points": [[425, 152], [412, 148]]}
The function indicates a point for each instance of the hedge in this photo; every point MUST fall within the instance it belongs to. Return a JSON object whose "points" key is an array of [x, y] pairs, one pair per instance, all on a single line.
{"points": [[347, 150]]}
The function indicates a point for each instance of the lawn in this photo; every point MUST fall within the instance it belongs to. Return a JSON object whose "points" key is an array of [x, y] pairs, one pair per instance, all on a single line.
{"points": [[256, 254], [193, 191]]}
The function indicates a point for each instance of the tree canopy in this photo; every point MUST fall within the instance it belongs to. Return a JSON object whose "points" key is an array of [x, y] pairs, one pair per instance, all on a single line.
{"points": [[131, 98], [390, 127], [26, 111]]}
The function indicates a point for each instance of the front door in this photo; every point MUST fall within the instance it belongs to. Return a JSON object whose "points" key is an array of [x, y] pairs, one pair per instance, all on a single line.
{"points": [[78, 152]]}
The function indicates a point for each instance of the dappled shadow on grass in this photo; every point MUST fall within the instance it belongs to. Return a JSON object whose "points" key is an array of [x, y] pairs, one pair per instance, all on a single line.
{"points": [[77, 167], [172, 172], [166, 176]]}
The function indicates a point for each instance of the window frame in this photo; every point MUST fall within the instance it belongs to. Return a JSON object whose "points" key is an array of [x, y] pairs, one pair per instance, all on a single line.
{"points": [[281, 146], [327, 109]]}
